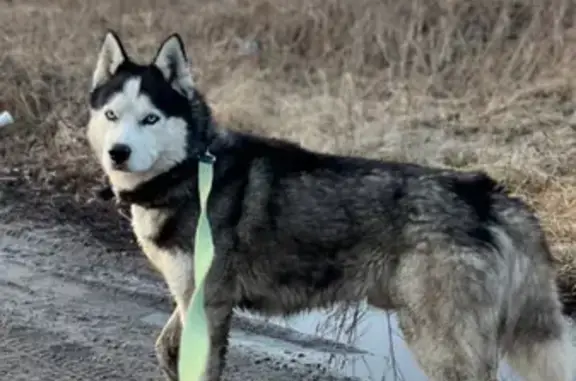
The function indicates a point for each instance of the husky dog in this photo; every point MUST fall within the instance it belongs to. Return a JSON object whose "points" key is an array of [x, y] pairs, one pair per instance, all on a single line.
{"points": [[465, 266]]}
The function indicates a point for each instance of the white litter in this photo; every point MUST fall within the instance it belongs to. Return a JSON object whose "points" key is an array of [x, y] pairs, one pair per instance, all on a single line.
{"points": [[5, 118]]}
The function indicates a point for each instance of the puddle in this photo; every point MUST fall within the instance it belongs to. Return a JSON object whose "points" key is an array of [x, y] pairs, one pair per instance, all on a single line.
{"points": [[375, 332]]}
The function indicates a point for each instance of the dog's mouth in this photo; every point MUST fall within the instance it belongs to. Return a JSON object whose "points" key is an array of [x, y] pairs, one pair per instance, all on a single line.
{"points": [[123, 167]]}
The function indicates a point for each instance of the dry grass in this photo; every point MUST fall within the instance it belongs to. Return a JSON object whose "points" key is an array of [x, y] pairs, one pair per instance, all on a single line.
{"points": [[468, 84]]}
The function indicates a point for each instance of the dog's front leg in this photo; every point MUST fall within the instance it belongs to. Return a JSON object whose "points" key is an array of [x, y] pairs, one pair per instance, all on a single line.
{"points": [[178, 271], [168, 345], [219, 315]]}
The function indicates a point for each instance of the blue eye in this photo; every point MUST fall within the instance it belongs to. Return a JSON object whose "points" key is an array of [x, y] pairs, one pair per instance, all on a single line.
{"points": [[150, 119], [111, 115]]}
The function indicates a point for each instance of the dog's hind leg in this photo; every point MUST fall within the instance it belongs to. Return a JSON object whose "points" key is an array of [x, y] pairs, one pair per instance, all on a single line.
{"points": [[448, 312], [541, 348], [454, 350]]}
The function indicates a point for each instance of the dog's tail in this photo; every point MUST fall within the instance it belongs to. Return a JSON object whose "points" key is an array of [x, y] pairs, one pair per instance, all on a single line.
{"points": [[536, 340], [539, 360], [540, 346]]}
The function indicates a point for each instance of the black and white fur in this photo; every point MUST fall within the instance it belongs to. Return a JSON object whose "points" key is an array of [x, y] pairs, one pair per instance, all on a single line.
{"points": [[466, 266]]}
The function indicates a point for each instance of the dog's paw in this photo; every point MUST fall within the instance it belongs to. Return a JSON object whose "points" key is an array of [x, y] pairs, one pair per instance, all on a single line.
{"points": [[168, 361]]}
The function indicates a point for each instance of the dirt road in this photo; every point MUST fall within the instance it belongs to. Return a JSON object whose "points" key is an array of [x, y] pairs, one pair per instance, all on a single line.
{"points": [[77, 305], [73, 310]]}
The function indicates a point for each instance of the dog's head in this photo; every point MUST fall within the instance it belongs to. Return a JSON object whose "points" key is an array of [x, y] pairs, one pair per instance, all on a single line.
{"points": [[142, 120]]}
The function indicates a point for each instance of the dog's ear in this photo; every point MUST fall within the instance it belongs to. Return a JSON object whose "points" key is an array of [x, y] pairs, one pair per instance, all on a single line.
{"points": [[172, 61], [111, 56]]}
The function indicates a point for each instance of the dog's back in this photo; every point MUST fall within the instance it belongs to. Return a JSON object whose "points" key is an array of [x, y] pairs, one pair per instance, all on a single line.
{"points": [[465, 265]]}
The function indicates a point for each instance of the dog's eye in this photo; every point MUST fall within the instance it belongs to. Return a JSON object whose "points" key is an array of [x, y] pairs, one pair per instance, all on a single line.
{"points": [[150, 119], [111, 115]]}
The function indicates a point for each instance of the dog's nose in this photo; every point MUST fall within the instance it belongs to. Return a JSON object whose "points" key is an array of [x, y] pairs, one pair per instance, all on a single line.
{"points": [[119, 153]]}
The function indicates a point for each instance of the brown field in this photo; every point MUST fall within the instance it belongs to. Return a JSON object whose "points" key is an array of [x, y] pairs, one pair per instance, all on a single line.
{"points": [[468, 84]]}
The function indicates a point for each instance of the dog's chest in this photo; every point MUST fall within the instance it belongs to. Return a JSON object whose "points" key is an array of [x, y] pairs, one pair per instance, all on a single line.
{"points": [[175, 264], [147, 224]]}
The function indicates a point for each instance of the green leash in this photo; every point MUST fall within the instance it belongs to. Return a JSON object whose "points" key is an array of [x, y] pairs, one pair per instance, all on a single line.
{"points": [[195, 338]]}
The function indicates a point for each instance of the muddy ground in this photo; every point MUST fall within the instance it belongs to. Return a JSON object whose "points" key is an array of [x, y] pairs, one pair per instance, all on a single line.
{"points": [[79, 302]]}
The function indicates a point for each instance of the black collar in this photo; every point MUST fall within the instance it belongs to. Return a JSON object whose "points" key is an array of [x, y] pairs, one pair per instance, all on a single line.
{"points": [[159, 191], [167, 188]]}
